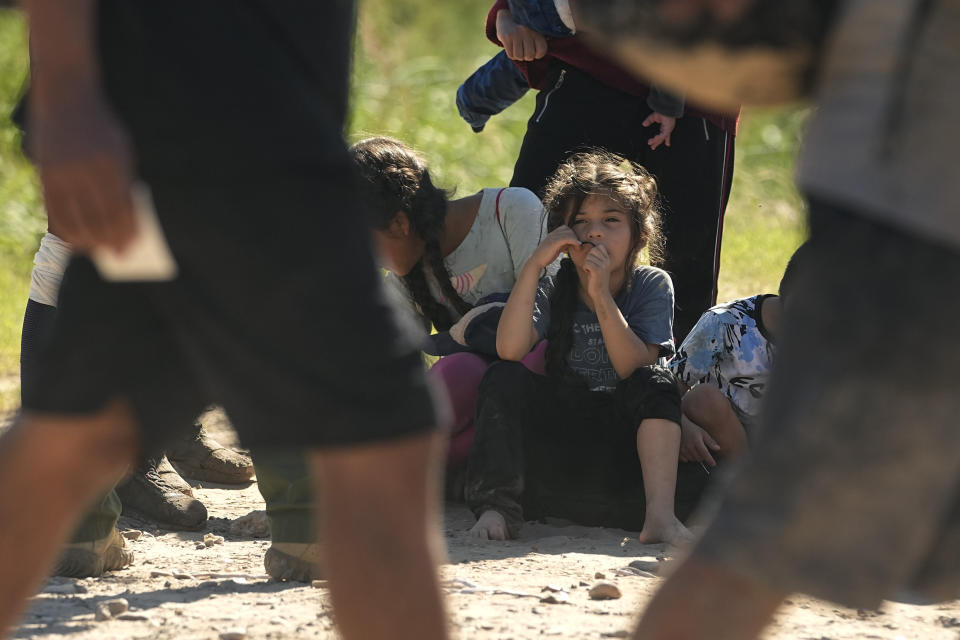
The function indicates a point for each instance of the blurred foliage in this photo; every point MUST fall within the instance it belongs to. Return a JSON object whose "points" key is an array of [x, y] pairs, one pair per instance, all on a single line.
{"points": [[21, 209], [409, 61], [21, 218]]}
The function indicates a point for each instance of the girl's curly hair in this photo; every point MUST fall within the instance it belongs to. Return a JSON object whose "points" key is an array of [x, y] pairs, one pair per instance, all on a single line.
{"points": [[395, 178], [595, 172]]}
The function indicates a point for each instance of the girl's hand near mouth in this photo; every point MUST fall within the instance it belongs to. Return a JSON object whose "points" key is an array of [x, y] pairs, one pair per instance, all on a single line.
{"points": [[579, 253], [560, 239], [596, 266]]}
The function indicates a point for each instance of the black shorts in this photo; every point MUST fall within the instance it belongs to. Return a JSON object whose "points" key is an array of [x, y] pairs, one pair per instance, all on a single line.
{"points": [[851, 490], [277, 314]]}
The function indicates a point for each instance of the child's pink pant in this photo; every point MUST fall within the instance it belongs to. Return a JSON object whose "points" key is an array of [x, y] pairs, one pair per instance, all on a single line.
{"points": [[460, 375]]}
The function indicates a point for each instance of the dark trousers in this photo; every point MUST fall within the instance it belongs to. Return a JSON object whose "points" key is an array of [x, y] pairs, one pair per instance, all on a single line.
{"points": [[693, 174], [546, 448]]}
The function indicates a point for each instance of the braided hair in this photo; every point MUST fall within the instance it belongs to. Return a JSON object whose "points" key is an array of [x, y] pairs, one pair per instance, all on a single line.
{"points": [[395, 178], [632, 187]]}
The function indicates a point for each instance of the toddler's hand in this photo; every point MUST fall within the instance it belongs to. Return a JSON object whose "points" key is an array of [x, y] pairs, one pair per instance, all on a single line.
{"points": [[518, 41], [667, 124]]}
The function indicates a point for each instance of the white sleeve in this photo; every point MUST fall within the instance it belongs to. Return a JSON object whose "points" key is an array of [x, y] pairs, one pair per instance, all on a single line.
{"points": [[523, 221], [49, 264]]}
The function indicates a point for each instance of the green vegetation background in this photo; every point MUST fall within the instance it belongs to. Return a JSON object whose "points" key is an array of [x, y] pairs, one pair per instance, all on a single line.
{"points": [[410, 58]]}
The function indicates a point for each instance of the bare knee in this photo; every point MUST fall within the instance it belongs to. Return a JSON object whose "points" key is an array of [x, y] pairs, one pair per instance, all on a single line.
{"points": [[703, 403]]}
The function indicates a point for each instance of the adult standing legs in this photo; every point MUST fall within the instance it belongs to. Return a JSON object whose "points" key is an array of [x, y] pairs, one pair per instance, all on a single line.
{"points": [[694, 177], [95, 546]]}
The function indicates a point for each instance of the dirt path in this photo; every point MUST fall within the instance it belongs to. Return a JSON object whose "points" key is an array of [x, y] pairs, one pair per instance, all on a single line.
{"points": [[180, 588]]}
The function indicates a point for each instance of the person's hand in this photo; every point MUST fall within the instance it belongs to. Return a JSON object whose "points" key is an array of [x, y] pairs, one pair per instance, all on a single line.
{"points": [[667, 124], [596, 266], [553, 244], [695, 443], [85, 164], [520, 42]]}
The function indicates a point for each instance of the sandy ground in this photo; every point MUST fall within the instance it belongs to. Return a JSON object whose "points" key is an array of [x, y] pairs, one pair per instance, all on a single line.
{"points": [[528, 588]]}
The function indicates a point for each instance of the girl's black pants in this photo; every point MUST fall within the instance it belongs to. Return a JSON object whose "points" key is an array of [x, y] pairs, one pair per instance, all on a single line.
{"points": [[547, 448]]}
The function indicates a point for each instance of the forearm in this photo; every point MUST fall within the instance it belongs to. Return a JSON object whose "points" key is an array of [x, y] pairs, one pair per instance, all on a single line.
{"points": [[80, 147], [516, 333], [62, 48], [627, 351]]}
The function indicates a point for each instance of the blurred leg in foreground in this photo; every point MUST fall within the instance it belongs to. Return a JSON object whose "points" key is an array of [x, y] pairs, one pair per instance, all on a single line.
{"points": [[264, 223], [858, 452], [51, 470], [380, 533]]}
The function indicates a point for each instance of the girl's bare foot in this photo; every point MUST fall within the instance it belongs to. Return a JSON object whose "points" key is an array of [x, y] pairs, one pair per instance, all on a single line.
{"points": [[664, 529], [490, 526]]}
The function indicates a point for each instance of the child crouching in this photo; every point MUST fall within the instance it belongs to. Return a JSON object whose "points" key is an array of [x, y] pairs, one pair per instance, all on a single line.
{"points": [[723, 366], [596, 440]]}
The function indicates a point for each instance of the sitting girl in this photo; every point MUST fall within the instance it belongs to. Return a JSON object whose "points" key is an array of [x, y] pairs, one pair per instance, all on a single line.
{"points": [[595, 441], [446, 255]]}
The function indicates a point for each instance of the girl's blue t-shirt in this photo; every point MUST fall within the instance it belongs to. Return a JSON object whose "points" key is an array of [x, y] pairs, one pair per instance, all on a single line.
{"points": [[647, 306]]}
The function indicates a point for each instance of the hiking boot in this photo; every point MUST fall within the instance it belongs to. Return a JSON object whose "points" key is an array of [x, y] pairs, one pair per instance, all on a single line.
{"points": [[202, 458], [295, 561], [156, 491], [91, 559]]}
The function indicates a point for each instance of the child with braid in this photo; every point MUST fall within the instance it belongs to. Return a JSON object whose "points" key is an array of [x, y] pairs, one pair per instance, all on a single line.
{"points": [[596, 440], [445, 255]]}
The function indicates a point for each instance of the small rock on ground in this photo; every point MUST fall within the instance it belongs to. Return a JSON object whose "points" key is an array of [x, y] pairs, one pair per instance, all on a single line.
{"points": [[116, 606], [254, 525], [211, 539], [605, 591], [107, 609]]}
